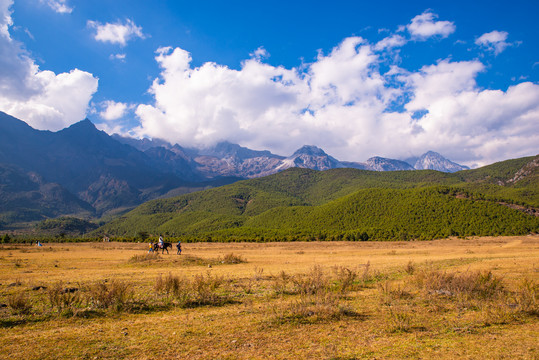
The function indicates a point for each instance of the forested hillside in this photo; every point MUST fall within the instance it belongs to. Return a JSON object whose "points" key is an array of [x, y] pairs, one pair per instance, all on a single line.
{"points": [[350, 204]]}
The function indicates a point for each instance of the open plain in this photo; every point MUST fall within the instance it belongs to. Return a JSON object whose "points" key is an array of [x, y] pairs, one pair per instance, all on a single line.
{"points": [[470, 298]]}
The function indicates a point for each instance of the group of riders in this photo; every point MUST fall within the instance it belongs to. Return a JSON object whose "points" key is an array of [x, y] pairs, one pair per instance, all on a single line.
{"points": [[161, 244]]}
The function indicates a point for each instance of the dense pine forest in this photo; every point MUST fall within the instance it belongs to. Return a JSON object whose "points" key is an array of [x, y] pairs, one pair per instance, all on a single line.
{"points": [[349, 204]]}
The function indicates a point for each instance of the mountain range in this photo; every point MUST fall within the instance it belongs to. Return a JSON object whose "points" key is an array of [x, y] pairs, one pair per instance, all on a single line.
{"points": [[348, 204], [86, 172]]}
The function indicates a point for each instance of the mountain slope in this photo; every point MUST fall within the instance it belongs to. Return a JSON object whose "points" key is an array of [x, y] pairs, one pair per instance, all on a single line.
{"points": [[85, 161], [434, 161], [26, 197], [382, 164], [335, 203]]}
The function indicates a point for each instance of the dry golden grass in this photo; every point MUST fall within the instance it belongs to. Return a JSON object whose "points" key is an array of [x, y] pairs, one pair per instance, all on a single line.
{"points": [[444, 299]]}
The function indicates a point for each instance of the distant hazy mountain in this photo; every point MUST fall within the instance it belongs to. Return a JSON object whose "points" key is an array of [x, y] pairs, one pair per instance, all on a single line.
{"points": [[26, 197], [382, 164], [434, 161], [87, 162], [227, 159], [310, 157], [89, 171]]}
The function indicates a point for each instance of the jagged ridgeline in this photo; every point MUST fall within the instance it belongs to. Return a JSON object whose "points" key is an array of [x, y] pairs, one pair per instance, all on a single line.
{"points": [[303, 204]]}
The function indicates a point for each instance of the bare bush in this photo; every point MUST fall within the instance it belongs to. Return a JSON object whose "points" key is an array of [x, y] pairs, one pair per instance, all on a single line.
{"points": [[60, 299], [526, 297], [473, 284], [206, 290], [175, 287], [315, 282], [231, 259], [345, 278], [281, 283], [19, 303], [410, 268], [142, 258], [114, 296]]}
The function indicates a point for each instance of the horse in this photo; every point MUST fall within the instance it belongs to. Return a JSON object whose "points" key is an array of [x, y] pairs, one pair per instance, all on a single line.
{"points": [[166, 245]]}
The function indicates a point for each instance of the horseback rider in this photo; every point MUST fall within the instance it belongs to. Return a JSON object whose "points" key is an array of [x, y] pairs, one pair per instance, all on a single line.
{"points": [[179, 246], [161, 242]]}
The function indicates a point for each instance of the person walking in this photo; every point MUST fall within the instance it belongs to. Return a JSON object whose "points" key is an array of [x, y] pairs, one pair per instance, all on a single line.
{"points": [[179, 246]]}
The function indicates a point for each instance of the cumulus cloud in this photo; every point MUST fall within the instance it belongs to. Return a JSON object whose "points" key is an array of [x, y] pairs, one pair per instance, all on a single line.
{"points": [[424, 26], [344, 103], [493, 41], [390, 42], [113, 110], [117, 33], [43, 99], [60, 6]]}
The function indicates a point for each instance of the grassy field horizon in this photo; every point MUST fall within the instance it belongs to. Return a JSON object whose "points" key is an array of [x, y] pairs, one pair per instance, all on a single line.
{"points": [[466, 298]]}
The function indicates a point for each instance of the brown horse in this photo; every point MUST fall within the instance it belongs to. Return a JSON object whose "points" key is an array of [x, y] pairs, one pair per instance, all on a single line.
{"points": [[166, 245]]}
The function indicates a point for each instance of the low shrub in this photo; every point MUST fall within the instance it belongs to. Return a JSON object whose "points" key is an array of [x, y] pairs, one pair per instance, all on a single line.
{"points": [[345, 278], [19, 303], [114, 296], [231, 259], [206, 290], [141, 258], [62, 300], [526, 297], [314, 282], [473, 284]]}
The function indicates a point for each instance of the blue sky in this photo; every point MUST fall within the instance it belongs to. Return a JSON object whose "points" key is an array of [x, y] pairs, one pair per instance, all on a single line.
{"points": [[359, 79]]}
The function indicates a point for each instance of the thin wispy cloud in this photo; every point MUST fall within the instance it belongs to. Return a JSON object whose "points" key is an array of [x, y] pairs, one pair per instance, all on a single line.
{"points": [[121, 57], [59, 6]]}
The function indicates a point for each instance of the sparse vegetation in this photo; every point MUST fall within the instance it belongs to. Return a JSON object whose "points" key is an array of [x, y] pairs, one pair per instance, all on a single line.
{"points": [[336, 295]]}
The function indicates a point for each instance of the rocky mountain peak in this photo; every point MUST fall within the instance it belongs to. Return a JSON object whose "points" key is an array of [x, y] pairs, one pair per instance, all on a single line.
{"points": [[433, 161], [378, 163], [309, 150]]}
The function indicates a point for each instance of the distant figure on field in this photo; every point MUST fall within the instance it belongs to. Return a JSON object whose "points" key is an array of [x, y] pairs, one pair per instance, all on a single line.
{"points": [[179, 246], [161, 241], [39, 244], [150, 247]]}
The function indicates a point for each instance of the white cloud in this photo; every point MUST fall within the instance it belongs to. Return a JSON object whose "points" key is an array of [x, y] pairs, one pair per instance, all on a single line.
{"points": [[43, 99], [120, 57], [494, 41], [344, 104], [260, 53], [117, 33], [424, 26], [60, 6], [113, 110], [390, 42]]}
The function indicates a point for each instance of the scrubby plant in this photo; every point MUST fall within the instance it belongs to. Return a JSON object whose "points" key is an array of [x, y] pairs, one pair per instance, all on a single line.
{"points": [[62, 300], [114, 296], [345, 278], [19, 303], [141, 258], [206, 290], [473, 284], [410, 267], [231, 259]]}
